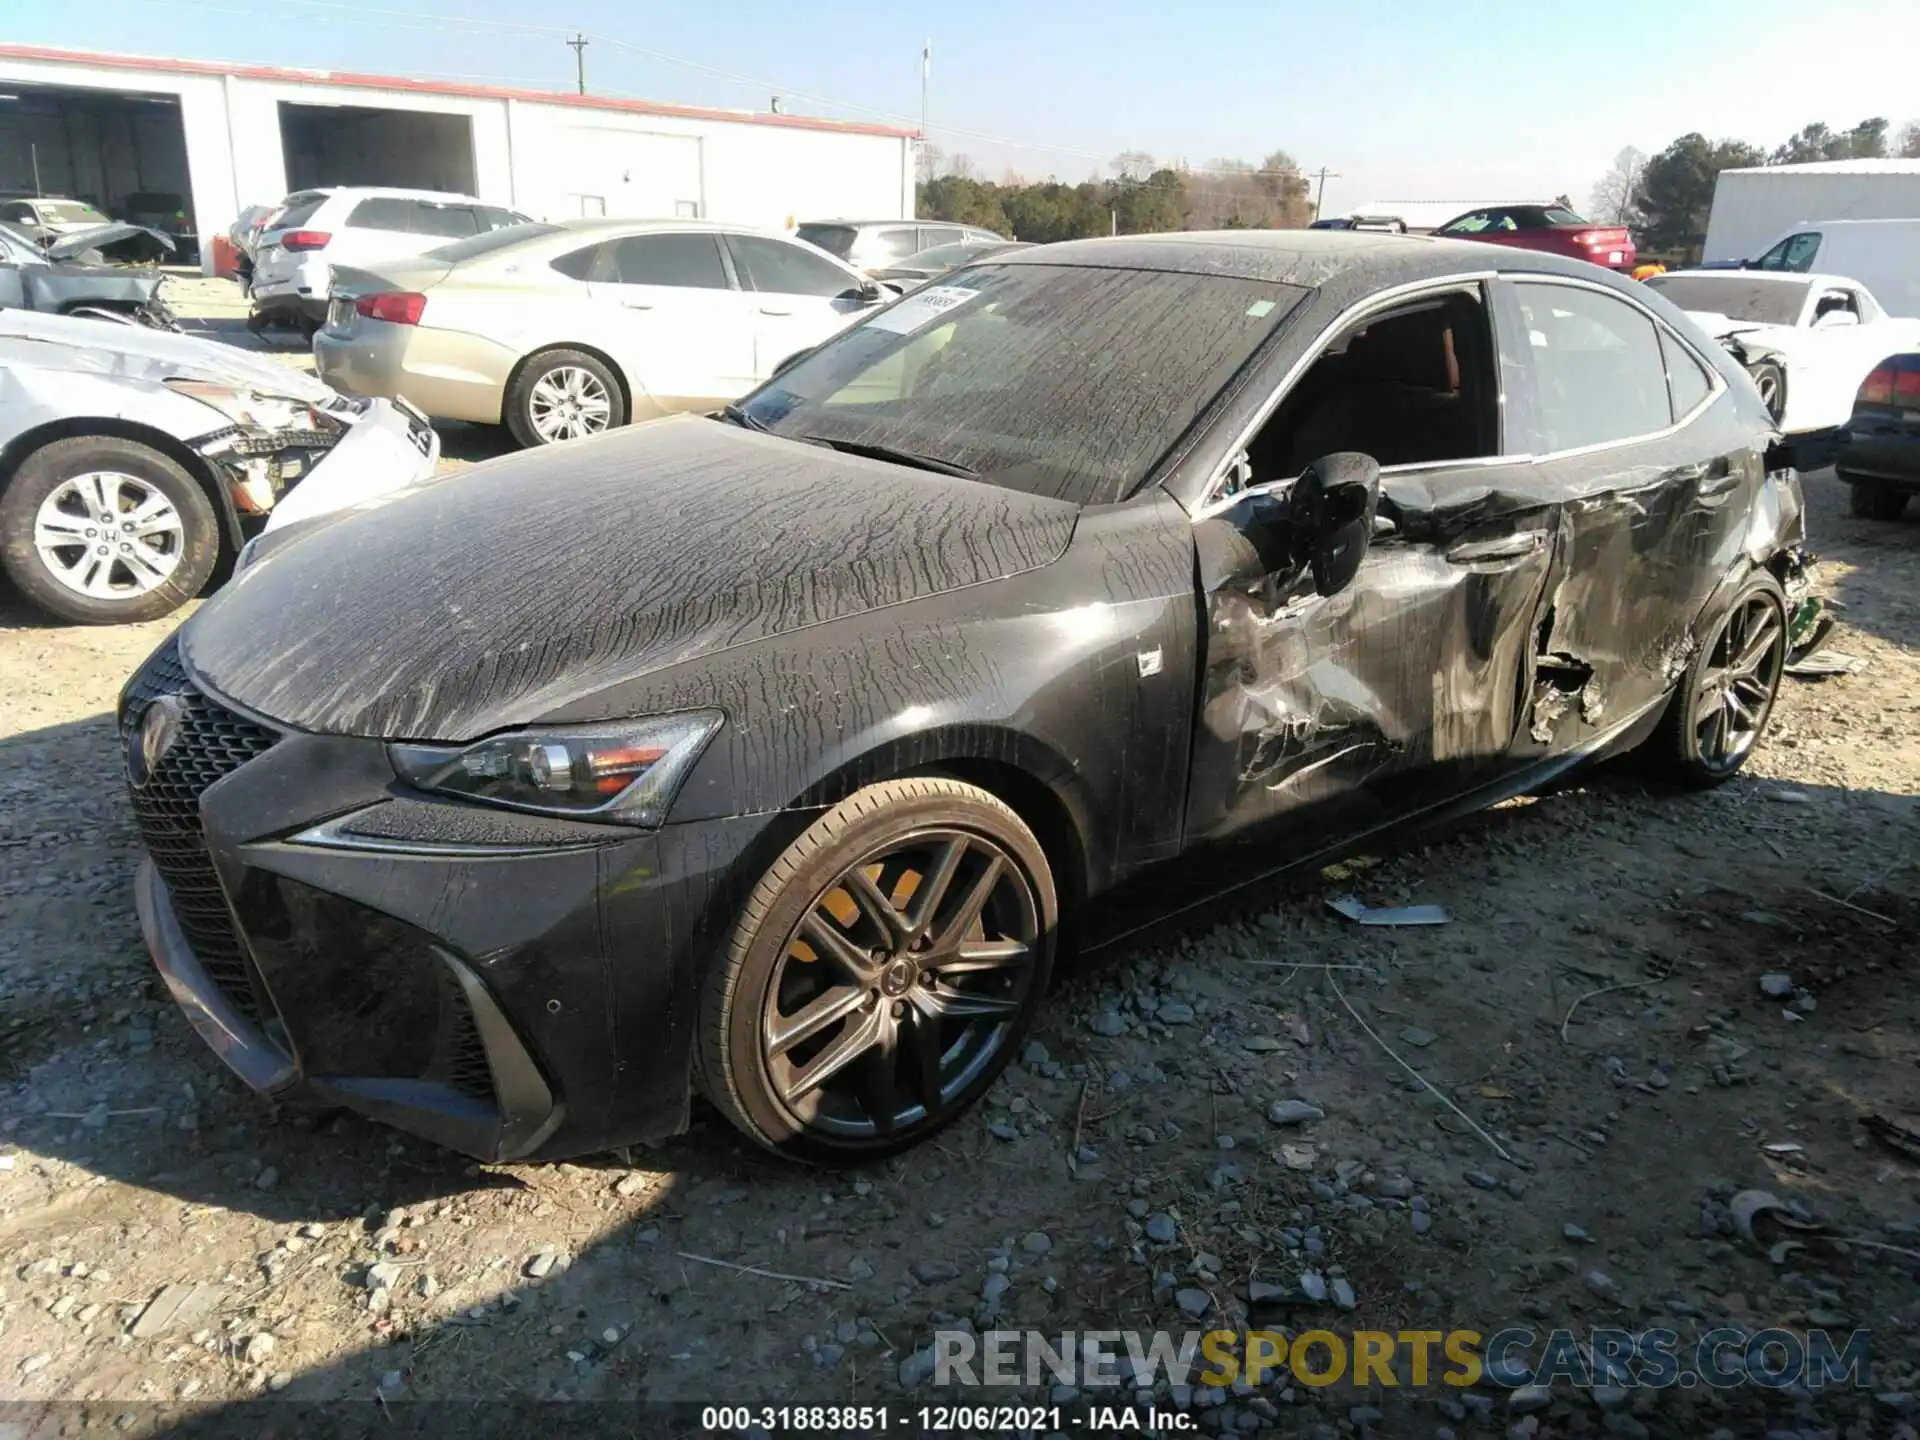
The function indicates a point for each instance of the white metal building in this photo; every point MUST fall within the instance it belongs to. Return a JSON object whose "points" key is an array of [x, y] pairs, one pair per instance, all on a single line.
{"points": [[1754, 207], [131, 134]]}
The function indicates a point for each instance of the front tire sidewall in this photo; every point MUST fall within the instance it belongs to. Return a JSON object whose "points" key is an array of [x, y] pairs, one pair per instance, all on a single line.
{"points": [[42, 472], [519, 398], [737, 1081]]}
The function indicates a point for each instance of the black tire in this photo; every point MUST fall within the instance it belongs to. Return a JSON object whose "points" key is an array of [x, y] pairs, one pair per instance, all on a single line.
{"points": [[257, 322], [520, 397], [734, 1066], [1875, 500], [1770, 379], [1677, 748], [47, 469]]}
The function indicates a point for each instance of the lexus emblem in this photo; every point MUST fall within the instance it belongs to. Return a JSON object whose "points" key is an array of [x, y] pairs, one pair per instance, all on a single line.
{"points": [[159, 728]]}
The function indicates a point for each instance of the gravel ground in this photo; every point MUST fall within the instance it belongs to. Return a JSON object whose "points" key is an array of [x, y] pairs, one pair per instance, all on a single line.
{"points": [[1644, 1003]]}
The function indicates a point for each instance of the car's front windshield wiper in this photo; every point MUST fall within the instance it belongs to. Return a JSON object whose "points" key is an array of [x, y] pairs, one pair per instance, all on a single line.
{"points": [[897, 457], [744, 419]]}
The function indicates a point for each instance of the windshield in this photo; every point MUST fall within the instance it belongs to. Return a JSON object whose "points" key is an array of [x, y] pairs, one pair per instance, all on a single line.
{"points": [[488, 241], [1736, 296], [836, 240], [1060, 381], [70, 212]]}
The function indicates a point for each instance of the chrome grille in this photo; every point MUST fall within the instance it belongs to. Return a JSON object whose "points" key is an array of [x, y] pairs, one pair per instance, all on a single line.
{"points": [[213, 742]]}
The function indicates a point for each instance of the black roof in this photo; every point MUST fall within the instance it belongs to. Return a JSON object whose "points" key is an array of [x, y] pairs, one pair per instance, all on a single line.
{"points": [[1310, 259]]}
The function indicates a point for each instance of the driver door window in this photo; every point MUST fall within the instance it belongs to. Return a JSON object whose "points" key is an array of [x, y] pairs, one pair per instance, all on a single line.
{"points": [[1795, 253], [1416, 385]]}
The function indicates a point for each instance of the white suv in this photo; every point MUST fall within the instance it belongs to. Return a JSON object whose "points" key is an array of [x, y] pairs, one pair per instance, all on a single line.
{"points": [[352, 225]]}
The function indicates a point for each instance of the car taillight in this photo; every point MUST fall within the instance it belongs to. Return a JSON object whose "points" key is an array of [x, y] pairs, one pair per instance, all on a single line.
{"points": [[396, 307], [1877, 388], [305, 240], [1906, 385]]}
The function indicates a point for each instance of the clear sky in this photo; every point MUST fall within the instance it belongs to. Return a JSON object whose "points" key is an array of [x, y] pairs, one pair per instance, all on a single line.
{"points": [[1468, 100]]}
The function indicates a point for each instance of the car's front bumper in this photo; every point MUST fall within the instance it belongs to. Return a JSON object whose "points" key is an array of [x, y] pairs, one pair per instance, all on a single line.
{"points": [[511, 987], [388, 446]]}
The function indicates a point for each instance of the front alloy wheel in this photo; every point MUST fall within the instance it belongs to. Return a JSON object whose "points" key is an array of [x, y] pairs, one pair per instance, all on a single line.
{"points": [[884, 970]]}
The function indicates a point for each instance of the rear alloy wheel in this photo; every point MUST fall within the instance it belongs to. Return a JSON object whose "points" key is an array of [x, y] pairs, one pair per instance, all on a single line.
{"points": [[1716, 720], [105, 531], [882, 974], [563, 395], [1875, 500]]}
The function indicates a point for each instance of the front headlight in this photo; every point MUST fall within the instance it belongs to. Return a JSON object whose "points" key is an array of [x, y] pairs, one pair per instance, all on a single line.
{"points": [[627, 772], [258, 410]]}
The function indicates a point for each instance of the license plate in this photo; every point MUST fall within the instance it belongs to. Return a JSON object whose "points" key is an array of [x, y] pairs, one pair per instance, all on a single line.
{"points": [[340, 315], [1614, 257]]}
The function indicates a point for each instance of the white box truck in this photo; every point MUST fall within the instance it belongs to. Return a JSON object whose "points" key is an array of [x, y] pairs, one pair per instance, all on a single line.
{"points": [[1754, 208]]}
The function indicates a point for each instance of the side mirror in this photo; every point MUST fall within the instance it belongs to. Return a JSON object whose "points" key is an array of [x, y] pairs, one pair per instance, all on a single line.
{"points": [[869, 292], [1331, 508]]}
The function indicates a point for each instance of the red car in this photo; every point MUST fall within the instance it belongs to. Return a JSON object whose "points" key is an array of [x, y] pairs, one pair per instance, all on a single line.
{"points": [[1545, 227]]}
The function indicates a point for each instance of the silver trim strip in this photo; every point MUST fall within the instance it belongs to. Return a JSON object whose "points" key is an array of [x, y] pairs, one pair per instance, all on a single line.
{"points": [[330, 835]]}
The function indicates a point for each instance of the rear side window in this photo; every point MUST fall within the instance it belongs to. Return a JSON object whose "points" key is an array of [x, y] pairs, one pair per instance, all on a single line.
{"points": [[1598, 372], [376, 212], [1687, 380], [456, 222], [931, 236], [891, 244], [577, 264], [836, 240], [775, 267], [299, 210], [683, 262]]}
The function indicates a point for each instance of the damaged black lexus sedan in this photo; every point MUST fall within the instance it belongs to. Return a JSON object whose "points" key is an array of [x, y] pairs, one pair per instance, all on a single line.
{"points": [[776, 755]]}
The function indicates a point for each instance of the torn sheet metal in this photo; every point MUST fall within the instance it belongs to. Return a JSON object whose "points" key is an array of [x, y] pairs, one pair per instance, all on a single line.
{"points": [[1362, 914]]}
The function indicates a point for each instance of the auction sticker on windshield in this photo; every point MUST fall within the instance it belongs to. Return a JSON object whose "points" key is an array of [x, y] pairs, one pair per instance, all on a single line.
{"points": [[922, 308]]}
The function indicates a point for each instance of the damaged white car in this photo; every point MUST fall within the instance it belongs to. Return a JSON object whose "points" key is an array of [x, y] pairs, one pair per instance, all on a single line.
{"points": [[134, 464], [1807, 340]]}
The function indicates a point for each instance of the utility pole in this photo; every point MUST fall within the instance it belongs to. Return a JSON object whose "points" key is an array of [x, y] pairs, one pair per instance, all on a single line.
{"points": [[579, 44], [1320, 188]]}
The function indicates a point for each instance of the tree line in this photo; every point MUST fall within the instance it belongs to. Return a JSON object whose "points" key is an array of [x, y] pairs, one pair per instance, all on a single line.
{"points": [[1667, 197], [1136, 197]]}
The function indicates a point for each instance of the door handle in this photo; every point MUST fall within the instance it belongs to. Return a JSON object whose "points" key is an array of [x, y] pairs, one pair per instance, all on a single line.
{"points": [[1506, 547], [634, 305], [764, 310]]}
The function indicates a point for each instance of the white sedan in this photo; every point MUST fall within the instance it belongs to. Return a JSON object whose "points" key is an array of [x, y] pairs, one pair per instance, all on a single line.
{"points": [[1807, 340], [132, 461], [561, 331]]}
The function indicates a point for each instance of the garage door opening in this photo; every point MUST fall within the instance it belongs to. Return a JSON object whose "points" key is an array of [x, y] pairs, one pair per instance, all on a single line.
{"points": [[356, 145], [124, 153]]}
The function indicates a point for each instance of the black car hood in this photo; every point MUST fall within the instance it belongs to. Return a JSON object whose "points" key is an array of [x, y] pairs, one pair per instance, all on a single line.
{"points": [[491, 599]]}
